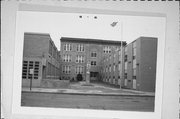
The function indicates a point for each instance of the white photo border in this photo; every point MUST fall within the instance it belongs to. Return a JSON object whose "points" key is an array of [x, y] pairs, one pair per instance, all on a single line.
{"points": [[61, 112]]}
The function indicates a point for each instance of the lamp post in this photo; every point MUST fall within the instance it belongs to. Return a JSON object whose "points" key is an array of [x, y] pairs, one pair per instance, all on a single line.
{"points": [[121, 49]]}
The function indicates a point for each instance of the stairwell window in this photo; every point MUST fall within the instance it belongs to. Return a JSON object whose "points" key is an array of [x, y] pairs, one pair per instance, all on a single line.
{"points": [[67, 47], [80, 48], [93, 63], [93, 54]]}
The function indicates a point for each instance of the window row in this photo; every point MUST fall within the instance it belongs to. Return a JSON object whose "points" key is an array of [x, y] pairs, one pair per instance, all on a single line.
{"points": [[67, 58], [115, 66], [107, 49], [80, 59], [79, 48], [93, 54], [78, 69], [66, 69]]}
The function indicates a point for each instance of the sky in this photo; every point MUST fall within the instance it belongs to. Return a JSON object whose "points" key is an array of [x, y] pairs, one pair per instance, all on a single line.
{"points": [[60, 25]]}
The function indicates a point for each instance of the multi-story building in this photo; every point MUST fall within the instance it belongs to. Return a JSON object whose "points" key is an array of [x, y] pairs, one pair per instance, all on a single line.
{"points": [[78, 52], [41, 55], [134, 67], [141, 64]]}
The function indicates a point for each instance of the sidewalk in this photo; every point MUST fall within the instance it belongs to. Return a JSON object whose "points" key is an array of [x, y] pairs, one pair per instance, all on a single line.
{"points": [[92, 89]]}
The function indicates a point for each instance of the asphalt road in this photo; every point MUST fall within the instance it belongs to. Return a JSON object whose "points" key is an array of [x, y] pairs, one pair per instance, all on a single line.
{"points": [[125, 103]]}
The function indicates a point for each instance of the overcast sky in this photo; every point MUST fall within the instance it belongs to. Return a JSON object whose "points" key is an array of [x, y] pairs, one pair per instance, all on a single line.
{"points": [[60, 25]]}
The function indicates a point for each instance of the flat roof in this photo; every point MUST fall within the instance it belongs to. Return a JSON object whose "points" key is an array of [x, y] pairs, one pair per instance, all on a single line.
{"points": [[35, 33], [91, 41]]}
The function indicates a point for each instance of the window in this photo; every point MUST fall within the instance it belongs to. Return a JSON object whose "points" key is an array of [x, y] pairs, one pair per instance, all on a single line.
{"points": [[27, 65], [134, 73], [119, 52], [67, 69], [134, 63], [125, 58], [114, 67], [125, 65], [114, 57], [126, 49], [93, 54], [67, 47], [134, 44], [93, 63], [109, 68], [67, 58], [79, 59], [80, 48], [125, 74], [134, 57], [106, 49], [134, 51], [79, 69]]}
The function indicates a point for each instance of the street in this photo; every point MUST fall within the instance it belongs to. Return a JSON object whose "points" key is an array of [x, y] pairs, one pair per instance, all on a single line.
{"points": [[85, 101]]}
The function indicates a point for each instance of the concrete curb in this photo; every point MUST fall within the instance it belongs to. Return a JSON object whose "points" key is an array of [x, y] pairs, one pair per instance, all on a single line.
{"points": [[97, 94]]}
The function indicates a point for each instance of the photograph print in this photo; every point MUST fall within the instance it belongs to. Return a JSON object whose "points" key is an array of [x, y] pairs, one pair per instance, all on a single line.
{"points": [[90, 61]]}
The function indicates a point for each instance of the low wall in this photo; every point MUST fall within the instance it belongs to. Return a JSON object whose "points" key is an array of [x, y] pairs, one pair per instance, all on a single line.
{"points": [[50, 83], [35, 83]]}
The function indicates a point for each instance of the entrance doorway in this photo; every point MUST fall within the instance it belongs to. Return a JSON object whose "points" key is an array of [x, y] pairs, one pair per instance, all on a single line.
{"points": [[93, 76]]}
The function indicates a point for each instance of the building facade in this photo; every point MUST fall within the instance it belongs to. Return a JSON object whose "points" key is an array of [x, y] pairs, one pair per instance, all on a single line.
{"points": [[41, 55], [77, 53], [134, 66]]}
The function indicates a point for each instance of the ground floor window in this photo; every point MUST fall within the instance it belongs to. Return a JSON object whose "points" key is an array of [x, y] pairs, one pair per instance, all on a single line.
{"points": [[27, 66]]}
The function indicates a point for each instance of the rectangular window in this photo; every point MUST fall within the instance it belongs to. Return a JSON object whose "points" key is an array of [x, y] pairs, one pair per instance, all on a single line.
{"points": [[68, 47], [134, 44], [134, 63], [106, 49], [125, 65], [79, 70], [126, 49], [93, 63], [109, 68], [134, 51], [67, 69], [134, 73], [80, 48], [80, 59], [134, 57], [125, 58], [67, 58], [125, 74], [93, 54]]}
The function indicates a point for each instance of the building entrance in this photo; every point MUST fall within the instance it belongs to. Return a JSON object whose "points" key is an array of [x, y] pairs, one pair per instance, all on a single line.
{"points": [[93, 76]]}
